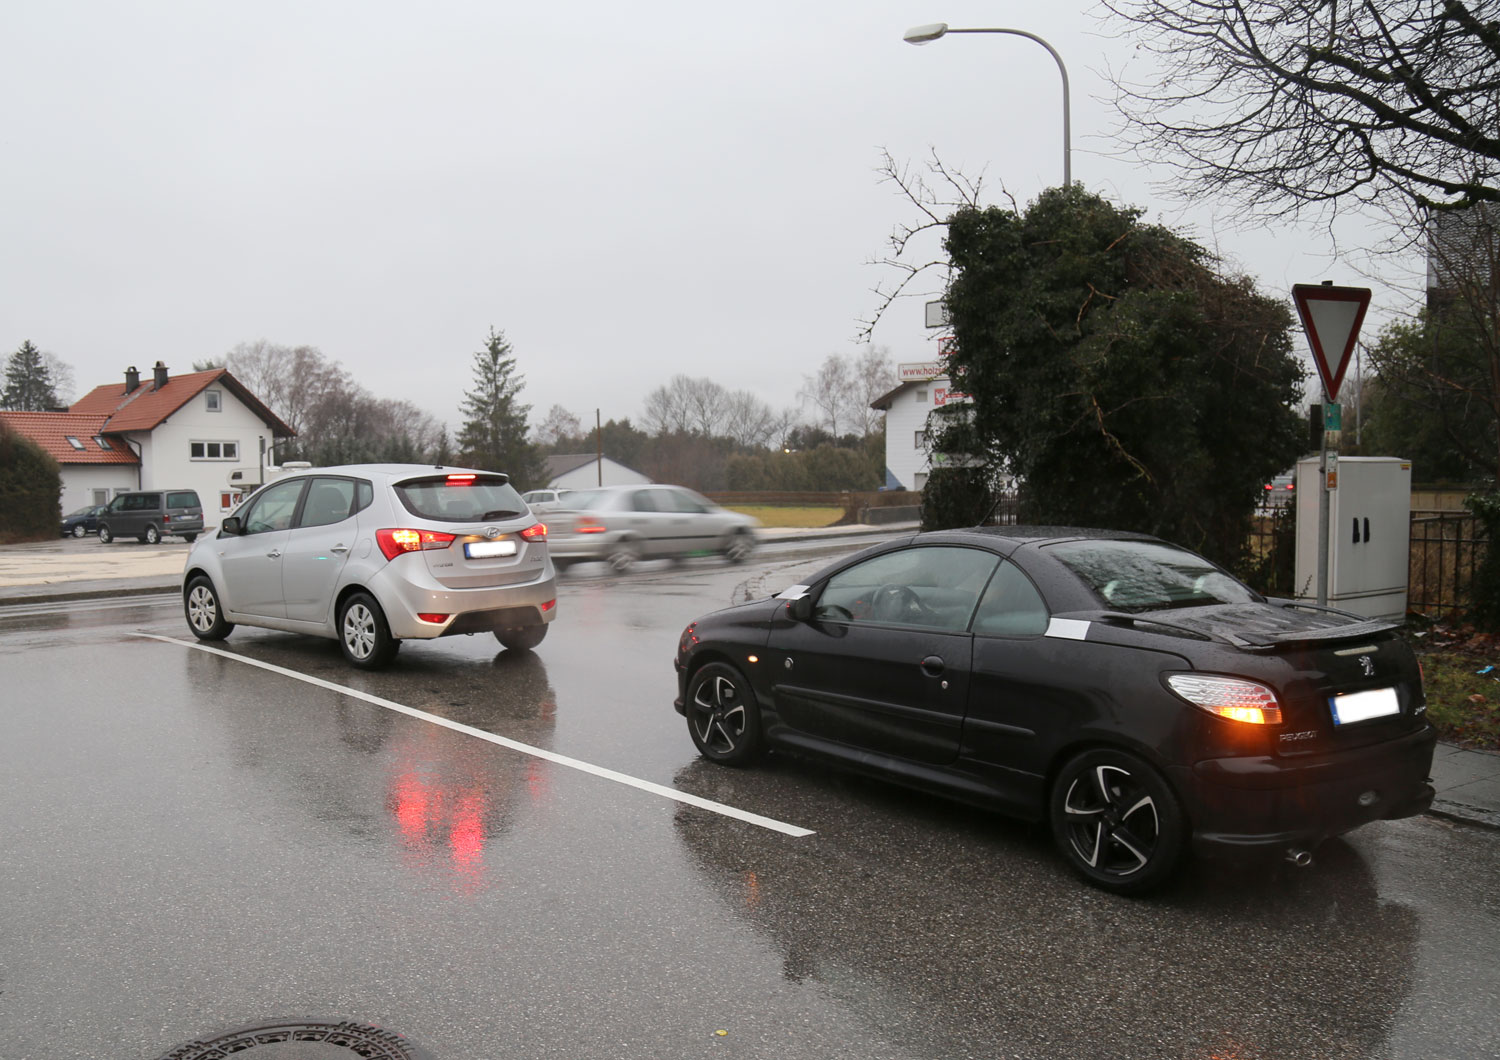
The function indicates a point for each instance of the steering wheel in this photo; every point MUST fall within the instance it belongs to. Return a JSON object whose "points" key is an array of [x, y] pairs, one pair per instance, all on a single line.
{"points": [[895, 603]]}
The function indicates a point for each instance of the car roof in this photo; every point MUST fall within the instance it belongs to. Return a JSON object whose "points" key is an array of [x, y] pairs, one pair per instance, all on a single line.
{"points": [[387, 471], [1016, 536]]}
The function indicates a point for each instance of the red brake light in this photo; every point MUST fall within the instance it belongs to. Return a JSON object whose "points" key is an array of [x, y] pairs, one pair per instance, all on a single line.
{"points": [[394, 542], [549, 605], [535, 531], [436, 620], [588, 528], [460, 480]]}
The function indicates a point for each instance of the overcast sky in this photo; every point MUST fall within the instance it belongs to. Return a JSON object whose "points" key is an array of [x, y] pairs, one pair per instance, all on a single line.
{"points": [[628, 191]]}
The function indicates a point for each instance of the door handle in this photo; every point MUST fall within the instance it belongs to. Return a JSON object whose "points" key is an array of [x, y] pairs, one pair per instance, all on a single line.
{"points": [[932, 666], [275, 553], [339, 549]]}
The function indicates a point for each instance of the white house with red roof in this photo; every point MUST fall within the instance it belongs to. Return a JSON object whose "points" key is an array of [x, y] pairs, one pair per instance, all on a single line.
{"points": [[165, 432]]}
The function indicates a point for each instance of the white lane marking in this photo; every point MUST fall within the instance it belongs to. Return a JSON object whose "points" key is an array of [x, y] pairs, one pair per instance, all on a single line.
{"points": [[515, 745]]}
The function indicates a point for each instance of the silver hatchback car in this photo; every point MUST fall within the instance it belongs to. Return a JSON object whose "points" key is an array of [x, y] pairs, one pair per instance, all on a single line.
{"points": [[374, 554]]}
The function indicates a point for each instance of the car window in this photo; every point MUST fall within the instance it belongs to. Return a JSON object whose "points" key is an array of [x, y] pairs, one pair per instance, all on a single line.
{"points": [[934, 586], [272, 509], [461, 497], [1135, 576], [644, 501], [581, 499], [186, 499], [329, 500], [1010, 606], [681, 501]]}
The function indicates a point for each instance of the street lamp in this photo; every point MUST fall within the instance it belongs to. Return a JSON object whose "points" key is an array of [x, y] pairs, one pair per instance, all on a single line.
{"points": [[928, 34]]}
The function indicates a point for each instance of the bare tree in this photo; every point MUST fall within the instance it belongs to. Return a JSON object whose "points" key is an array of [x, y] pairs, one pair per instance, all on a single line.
{"points": [[291, 380], [558, 423], [873, 377], [831, 392], [905, 256], [1285, 106]]}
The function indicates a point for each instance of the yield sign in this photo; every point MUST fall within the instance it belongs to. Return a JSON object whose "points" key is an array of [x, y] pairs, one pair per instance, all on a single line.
{"points": [[1331, 316]]}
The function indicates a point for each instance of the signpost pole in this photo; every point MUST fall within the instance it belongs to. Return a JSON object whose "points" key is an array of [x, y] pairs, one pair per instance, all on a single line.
{"points": [[1323, 505]]}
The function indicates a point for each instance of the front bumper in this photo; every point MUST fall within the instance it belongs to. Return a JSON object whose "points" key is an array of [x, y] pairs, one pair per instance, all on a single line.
{"points": [[1240, 805]]}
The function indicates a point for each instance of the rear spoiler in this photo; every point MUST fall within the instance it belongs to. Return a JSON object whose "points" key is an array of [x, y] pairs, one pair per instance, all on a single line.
{"points": [[1360, 628]]}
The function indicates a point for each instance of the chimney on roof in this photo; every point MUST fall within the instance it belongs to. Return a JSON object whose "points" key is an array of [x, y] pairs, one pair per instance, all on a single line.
{"points": [[160, 373], [132, 379]]}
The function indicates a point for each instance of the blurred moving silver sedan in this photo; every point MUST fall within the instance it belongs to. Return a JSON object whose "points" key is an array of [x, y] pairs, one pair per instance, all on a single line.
{"points": [[374, 554], [622, 524]]}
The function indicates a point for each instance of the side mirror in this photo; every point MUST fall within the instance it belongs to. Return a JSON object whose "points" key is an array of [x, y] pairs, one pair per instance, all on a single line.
{"points": [[231, 525], [801, 609]]}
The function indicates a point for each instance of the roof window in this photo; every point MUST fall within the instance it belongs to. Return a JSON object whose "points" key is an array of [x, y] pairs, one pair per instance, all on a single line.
{"points": [[102, 442], [74, 442]]}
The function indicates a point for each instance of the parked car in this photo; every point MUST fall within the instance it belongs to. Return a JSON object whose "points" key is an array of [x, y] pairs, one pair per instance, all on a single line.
{"points": [[83, 522], [546, 500], [1130, 693], [151, 515], [371, 555], [622, 524]]}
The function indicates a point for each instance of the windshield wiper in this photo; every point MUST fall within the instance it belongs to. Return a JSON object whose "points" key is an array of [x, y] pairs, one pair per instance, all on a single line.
{"points": [[500, 513]]}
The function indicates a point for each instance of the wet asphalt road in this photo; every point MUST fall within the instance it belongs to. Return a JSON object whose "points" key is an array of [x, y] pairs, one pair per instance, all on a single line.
{"points": [[188, 842]]}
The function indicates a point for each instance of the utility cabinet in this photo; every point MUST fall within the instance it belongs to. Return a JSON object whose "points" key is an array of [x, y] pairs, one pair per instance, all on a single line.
{"points": [[1369, 534]]}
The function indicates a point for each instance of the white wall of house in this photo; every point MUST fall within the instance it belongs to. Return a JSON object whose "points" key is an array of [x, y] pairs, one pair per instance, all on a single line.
{"points": [[587, 476], [905, 425], [197, 447], [81, 482]]}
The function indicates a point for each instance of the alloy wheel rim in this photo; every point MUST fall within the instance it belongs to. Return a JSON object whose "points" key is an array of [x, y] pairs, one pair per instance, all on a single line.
{"points": [[719, 716], [1112, 822], [201, 609], [359, 631]]}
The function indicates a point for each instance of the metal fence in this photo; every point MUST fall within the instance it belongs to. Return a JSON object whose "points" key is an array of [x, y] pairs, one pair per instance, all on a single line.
{"points": [[1446, 548]]}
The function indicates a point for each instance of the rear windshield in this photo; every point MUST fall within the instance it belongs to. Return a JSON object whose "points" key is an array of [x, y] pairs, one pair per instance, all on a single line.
{"points": [[188, 499], [1138, 576], [460, 498]]}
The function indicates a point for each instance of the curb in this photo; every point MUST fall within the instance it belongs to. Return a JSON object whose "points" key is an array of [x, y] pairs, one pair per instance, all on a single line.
{"points": [[1477, 816]]}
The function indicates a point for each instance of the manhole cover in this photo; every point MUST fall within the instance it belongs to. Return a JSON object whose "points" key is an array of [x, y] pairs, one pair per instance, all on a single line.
{"points": [[301, 1039]]}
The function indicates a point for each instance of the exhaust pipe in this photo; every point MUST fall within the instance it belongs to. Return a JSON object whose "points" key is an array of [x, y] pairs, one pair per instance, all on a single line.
{"points": [[1299, 857]]}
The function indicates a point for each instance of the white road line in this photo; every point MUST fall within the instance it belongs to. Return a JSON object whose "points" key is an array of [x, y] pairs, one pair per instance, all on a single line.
{"points": [[515, 745]]}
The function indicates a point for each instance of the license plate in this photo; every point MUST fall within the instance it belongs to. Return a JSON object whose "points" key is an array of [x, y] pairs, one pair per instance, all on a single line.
{"points": [[1362, 706], [489, 549]]}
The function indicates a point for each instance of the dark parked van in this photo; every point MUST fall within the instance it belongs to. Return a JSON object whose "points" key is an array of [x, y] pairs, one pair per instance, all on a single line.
{"points": [[151, 515]]}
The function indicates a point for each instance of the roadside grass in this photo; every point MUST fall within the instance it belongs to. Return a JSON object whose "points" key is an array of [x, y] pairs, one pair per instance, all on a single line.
{"points": [[1463, 704], [778, 518]]}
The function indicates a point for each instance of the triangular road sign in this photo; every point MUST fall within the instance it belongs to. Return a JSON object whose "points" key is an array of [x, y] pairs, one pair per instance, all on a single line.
{"points": [[1331, 316]]}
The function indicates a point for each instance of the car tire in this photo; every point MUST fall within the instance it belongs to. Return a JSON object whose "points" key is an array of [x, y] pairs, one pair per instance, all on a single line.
{"points": [[623, 556], [203, 609], [79, 531], [739, 547], [152, 536], [1116, 821], [190, 538], [364, 634], [105, 537], [723, 716], [521, 638]]}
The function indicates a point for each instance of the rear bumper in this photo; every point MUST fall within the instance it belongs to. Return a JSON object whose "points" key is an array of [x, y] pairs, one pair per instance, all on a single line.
{"points": [[1240, 805], [473, 610]]}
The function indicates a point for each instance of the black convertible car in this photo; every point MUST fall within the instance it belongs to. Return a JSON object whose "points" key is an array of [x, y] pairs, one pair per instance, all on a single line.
{"points": [[1129, 692]]}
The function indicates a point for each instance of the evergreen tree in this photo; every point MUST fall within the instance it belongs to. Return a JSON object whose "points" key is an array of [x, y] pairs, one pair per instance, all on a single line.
{"points": [[29, 386], [493, 435], [1123, 380]]}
